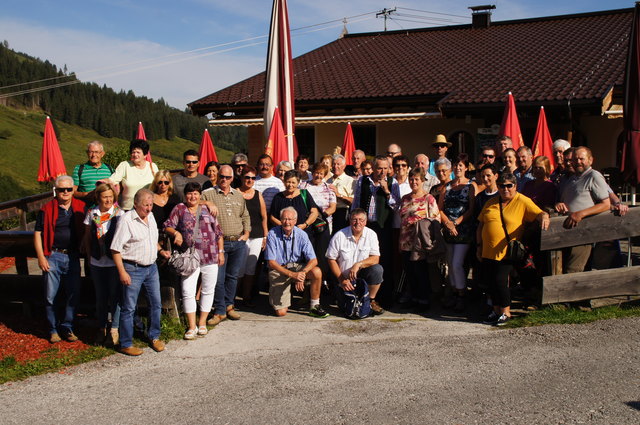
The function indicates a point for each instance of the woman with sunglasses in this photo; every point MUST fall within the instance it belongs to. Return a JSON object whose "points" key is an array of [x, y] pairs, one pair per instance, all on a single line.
{"points": [[514, 209], [163, 197], [258, 235]]}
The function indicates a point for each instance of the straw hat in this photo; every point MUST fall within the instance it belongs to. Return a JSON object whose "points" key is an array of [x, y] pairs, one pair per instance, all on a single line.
{"points": [[441, 140]]}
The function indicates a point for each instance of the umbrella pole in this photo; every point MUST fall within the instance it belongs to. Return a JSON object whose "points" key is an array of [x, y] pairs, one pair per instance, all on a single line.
{"points": [[633, 195]]}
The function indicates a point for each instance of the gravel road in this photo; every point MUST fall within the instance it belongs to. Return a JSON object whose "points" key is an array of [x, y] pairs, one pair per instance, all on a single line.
{"points": [[333, 371]]}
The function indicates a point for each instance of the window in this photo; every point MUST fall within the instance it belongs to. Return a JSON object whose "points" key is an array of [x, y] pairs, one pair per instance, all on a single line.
{"points": [[306, 139], [365, 138]]}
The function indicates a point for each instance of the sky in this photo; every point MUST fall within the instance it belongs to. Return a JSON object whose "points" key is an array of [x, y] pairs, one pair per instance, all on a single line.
{"points": [[184, 50]]}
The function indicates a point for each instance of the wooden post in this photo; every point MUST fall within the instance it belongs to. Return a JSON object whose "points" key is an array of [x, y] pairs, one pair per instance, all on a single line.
{"points": [[22, 267]]}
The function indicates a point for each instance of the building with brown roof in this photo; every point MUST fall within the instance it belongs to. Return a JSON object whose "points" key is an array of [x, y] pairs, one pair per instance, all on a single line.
{"points": [[407, 86]]}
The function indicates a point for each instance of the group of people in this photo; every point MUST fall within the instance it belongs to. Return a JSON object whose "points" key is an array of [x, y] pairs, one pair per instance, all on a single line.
{"points": [[322, 225]]}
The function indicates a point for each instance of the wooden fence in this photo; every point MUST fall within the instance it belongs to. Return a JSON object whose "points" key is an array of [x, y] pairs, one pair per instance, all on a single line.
{"points": [[19, 244], [624, 281]]}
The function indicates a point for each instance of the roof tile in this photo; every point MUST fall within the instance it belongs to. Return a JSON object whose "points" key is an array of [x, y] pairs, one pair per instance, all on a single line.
{"points": [[556, 58]]}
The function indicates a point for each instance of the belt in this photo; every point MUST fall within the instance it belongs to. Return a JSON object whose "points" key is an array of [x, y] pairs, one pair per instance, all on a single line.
{"points": [[231, 238], [133, 263], [61, 251]]}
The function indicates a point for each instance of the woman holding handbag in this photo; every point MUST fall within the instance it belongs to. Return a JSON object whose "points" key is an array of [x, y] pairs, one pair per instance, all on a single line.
{"points": [[191, 225], [500, 230], [318, 189]]}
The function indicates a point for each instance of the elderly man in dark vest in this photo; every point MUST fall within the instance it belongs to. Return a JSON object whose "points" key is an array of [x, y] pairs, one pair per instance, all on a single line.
{"points": [[56, 240], [379, 196]]}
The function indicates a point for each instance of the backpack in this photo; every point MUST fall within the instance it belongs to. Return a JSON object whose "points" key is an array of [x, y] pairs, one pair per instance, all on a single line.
{"points": [[357, 304]]}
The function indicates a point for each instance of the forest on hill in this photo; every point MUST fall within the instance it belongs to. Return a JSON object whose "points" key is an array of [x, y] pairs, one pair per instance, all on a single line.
{"points": [[100, 108]]}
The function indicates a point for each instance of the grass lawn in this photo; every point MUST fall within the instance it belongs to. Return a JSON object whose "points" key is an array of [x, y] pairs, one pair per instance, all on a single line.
{"points": [[560, 314], [21, 135], [25, 351]]}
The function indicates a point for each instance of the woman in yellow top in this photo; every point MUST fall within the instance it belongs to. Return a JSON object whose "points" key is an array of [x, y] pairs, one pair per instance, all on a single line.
{"points": [[492, 242]]}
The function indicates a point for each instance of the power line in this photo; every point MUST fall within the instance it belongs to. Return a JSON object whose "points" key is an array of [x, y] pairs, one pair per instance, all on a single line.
{"points": [[435, 13]]}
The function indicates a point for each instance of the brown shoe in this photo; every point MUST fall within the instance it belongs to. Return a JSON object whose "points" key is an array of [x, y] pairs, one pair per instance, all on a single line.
{"points": [[232, 314], [157, 345], [216, 319], [131, 351], [71, 337], [53, 338], [375, 308]]}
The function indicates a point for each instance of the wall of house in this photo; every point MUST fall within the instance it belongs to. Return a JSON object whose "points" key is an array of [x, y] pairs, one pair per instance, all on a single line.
{"points": [[602, 138], [413, 136]]}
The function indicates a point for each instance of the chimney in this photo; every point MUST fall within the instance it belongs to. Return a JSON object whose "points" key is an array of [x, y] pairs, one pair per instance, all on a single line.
{"points": [[481, 16]]}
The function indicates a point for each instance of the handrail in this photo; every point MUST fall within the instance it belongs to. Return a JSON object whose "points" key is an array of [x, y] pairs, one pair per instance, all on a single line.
{"points": [[20, 207]]}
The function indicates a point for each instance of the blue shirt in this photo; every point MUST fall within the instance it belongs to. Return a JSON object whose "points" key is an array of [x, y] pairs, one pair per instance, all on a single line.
{"points": [[523, 178], [278, 243]]}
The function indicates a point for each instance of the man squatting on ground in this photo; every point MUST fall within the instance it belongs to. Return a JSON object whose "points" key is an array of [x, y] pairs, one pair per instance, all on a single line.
{"points": [[287, 247]]}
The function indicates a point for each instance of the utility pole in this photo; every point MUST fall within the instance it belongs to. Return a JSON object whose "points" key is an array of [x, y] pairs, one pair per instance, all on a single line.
{"points": [[386, 13]]}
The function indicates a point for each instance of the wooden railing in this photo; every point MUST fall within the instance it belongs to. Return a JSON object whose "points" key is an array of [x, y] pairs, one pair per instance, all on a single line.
{"points": [[595, 283], [19, 243], [21, 207]]}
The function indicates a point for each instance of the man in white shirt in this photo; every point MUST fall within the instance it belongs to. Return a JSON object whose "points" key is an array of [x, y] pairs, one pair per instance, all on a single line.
{"points": [[267, 183], [421, 160], [342, 185], [135, 249], [354, 252]]}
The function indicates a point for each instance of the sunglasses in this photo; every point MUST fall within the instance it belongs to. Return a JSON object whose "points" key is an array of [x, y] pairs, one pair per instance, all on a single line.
{"points": [[389, 153], [401, 165], [166, 182], [190, 162], [506, 185], [225, 177], [64, 189], [250, 177], [488, 156]]}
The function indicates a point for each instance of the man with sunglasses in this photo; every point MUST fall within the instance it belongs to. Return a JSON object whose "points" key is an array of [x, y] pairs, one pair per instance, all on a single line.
{"points": [[235, 223], [238, 162], [58, 232], [190, 160], [488, 155]]}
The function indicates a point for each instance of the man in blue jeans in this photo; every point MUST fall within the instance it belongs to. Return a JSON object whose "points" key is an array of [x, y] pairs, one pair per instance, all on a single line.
{"points": [[235, 223], [56, 240], [135, 249]]}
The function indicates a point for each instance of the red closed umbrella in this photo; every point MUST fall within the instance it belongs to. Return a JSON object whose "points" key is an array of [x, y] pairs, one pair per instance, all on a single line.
{"points": [[631, 148], [141, 136], [348, 145], [51, 162], [279, 79], [510, 125], [542, 142], [207, 152], [277, 144]]}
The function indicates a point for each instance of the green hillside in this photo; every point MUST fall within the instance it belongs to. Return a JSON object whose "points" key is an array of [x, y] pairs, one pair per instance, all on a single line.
{"points": [[21, 134]]}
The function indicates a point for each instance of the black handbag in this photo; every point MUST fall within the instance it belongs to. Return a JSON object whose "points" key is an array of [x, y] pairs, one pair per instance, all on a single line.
{"points": [[319, 225], [516, 251]]}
